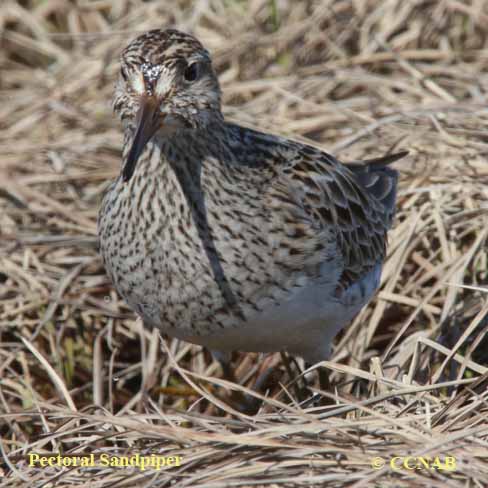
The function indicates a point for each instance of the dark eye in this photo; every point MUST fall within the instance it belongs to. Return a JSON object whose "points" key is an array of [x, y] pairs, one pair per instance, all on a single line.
{"points": [[192, 72]]}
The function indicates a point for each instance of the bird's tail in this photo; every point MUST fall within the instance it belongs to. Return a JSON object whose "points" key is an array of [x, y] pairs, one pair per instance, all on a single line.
{"points": [[379, 180]]}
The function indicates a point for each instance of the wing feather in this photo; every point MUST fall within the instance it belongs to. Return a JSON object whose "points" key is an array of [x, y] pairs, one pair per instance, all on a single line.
{"points": [[346, 208]]}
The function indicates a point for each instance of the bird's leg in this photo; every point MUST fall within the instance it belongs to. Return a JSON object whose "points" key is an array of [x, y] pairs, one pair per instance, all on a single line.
{"points": [[301, 393], [324, 380], [324, 384], [224, 359], [243, 402]]}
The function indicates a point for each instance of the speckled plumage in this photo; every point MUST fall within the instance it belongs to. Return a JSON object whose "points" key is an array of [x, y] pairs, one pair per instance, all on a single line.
{"points": [[228, 237]]}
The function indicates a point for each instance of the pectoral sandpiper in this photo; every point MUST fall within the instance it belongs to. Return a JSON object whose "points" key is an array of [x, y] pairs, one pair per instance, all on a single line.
{"points": [[228, 237]]}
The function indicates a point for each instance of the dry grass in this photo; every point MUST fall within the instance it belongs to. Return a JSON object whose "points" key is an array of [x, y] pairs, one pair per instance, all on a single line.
{"points": [[77, 373]]}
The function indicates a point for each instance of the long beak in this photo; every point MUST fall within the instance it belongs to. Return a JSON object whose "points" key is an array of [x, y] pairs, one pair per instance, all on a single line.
{"points": [[146, 125]]}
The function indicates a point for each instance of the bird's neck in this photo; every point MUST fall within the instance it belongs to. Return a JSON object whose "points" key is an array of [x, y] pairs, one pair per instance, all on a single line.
{"points": [[178, 168], [221, 157]]}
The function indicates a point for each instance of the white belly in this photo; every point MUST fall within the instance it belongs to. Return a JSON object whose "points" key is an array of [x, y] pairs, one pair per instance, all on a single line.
{"points": [[304, 325]]}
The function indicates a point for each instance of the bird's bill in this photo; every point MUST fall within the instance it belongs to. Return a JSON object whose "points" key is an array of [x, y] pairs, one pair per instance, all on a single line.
{"points": [[146, 125]]}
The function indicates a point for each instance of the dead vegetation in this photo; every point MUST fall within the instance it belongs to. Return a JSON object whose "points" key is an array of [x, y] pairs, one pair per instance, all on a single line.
{"points": [[358, 78]]}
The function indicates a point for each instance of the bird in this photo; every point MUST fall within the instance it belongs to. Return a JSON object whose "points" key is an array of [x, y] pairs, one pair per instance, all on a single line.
{"points": [[228, 237]]}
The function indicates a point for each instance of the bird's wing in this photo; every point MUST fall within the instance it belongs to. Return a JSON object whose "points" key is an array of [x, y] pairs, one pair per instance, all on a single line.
{"points": [[329, 207]]}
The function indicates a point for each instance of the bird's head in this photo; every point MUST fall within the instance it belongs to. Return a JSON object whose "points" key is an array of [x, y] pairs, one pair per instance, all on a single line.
{"points": [[166, 84]]}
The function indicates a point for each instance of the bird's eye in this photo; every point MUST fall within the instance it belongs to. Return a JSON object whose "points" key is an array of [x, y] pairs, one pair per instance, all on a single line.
{"points": [[192, 72]]}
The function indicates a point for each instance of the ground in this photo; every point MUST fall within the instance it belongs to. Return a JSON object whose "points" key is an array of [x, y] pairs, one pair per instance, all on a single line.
{"points": [[78, 374]]}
